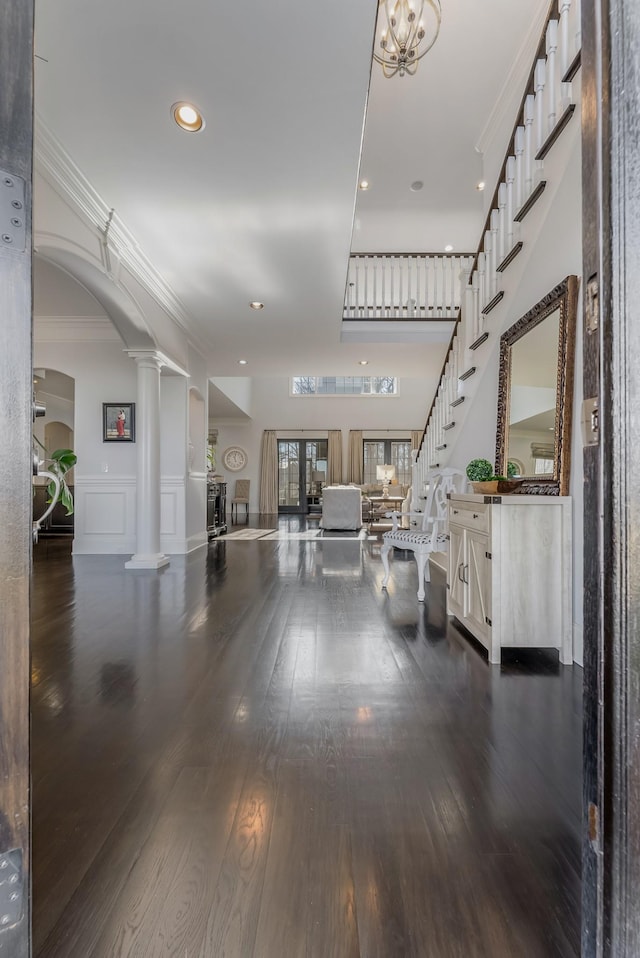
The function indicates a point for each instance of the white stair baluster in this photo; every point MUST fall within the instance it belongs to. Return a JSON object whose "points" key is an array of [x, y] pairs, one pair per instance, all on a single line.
{"points": [[482, 291], [392, 265], [466, 304], [502, 227], [529, 152], [564, 62], [539, 77], [427, 294], [511, 203], [488, 275], [519, 151], [376, 267], [495, 262], [475, 308], [551, 81], [413, 291]]}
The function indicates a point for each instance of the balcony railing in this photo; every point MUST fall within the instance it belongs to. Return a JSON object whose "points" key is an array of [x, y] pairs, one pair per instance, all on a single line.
{"points": [[404, 286]]}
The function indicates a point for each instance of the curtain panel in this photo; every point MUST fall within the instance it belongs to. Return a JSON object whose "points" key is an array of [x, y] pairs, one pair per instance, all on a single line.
{"points": [[354, 466], [416, 438], [334, 466], [269, 473]]}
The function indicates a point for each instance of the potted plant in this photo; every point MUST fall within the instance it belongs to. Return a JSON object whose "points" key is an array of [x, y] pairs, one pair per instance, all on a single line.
{"points": [[484, 481], [59, 463], [480, 475]]}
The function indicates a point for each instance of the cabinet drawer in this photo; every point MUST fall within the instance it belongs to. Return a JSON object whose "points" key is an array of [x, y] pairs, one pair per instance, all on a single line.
{"points": [[470, 517]]}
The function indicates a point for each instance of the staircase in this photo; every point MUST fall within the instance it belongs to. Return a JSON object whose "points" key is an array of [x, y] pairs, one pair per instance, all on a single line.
{"points": [[548, 108]]}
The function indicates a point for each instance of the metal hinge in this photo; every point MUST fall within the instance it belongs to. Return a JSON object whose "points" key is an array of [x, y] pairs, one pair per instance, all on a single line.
{"points": [[11, 889], [590, 422], [594, 827], [487, 620], [13, 229], [592, 305], [487, 555]]}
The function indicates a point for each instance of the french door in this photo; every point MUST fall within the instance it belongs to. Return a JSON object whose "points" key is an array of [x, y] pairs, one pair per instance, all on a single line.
{"points": [[394, 452], [302, 472]]}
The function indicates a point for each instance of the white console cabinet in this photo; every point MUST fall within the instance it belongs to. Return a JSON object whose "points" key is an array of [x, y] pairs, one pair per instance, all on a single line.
{"points": [[509, 580]]}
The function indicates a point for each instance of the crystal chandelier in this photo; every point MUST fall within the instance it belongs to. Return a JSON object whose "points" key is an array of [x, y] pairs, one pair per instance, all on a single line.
{"points": [[405, 31]]}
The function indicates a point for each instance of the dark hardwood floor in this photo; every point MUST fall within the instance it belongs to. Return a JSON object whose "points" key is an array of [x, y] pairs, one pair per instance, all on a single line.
{"points": [[256, 753]]}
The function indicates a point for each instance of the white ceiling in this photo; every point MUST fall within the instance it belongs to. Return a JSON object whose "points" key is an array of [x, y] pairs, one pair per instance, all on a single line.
{"points": [[260, 205]]}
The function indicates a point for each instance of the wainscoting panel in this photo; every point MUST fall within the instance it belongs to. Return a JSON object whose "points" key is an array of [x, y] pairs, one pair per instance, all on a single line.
{"points": [[172, 516], [105, 515]]}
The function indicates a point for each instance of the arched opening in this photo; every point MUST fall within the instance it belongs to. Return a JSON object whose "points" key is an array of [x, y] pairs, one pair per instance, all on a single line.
{"points": [[55, 392]]}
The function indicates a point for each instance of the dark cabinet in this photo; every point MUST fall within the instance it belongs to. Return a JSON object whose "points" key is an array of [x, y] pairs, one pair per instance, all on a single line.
{"points": [[216, 509], [56, 524]]}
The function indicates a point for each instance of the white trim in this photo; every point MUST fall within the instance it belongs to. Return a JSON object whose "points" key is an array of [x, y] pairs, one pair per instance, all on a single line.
{"points": [[161, 358], [109, 480], [64, 329], [103, 545]]}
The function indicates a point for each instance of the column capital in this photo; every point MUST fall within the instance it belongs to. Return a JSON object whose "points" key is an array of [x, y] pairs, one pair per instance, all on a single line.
{"points": [[154, 359]]}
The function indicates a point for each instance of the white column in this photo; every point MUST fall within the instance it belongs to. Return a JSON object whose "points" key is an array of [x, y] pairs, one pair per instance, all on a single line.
{"points": [[148, 554]]}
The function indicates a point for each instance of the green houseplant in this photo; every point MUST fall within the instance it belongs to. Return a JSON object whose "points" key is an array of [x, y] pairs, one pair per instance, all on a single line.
{"points": [[483, 479], [59, 463]]}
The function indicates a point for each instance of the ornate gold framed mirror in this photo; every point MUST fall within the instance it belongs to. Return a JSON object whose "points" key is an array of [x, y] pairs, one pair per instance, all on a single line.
{"points": [[535, 394]]}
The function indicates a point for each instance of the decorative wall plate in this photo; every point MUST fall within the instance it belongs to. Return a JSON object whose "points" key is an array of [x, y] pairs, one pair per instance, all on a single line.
{"points": [[234, 458]]}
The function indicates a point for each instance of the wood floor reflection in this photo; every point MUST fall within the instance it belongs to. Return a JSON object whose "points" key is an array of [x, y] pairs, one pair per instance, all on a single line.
{"points": [[256, 753]]}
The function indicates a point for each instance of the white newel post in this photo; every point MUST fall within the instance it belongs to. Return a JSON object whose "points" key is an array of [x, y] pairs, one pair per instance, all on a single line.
{"points": [[148, 554]]}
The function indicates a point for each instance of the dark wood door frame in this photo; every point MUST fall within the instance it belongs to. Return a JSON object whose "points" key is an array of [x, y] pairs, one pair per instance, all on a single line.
{"points": [[611, 189], [16, 151], [611, 291]]}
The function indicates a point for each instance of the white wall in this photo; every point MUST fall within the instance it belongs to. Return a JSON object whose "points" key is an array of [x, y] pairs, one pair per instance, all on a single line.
{"points": [[237, 388], [311, 417]]}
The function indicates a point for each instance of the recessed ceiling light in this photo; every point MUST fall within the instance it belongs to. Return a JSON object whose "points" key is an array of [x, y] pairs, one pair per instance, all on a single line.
{"points": [[187, 117], [480, 186], [242, 362], [448, 248], [256, 305], [363, 185], [416, 186], [363, 362]]}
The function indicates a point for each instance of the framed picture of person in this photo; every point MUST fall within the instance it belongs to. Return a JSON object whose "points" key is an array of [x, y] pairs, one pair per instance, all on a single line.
{"points": [[118, 422]]}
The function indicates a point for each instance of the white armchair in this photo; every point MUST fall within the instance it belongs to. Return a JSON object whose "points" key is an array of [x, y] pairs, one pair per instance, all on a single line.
{"points": [[431, 535]]}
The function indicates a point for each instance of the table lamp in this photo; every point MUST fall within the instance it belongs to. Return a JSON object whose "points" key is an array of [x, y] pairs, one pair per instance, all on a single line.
{"points": [[386, 474]]}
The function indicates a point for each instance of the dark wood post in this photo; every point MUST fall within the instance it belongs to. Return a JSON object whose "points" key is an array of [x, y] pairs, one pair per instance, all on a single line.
{"points": [[16, 150], [611, 291]]}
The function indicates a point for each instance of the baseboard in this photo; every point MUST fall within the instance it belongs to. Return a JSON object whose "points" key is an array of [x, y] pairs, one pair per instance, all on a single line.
{"points": [[440, 559], [103, 545], [197, 541]]}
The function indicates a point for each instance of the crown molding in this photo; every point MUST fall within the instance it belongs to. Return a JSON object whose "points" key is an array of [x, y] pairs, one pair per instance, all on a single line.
{"points": [[513, 84], [54, 329], [57, 167]]}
